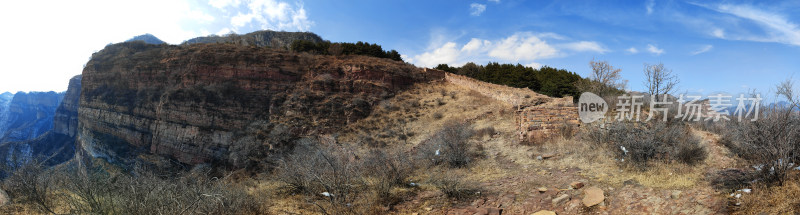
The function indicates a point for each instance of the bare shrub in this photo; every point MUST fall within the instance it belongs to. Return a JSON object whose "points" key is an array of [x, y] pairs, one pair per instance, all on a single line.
{"points": [[770, 143], [327, 174], [636, 145], [438, 115], [96, 191], [454, 184], [388, 168], [31, 183], [449, 145]]}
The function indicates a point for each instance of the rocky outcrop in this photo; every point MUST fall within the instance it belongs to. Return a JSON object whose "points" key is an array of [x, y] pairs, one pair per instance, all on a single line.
{"points": [[30, 115], [65, 120], [212, 103]]}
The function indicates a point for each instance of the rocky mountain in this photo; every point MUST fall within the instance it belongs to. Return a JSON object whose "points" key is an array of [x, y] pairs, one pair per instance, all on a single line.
{"points": [[267, 38], [5, 103], [224, 103], [29, 115], [147, 38], [56, 143]]}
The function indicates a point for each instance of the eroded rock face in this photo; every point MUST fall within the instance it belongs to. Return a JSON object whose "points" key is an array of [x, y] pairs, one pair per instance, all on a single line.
{"points": [[56, 145], [30, 115], [206, 103], [66, 117]]}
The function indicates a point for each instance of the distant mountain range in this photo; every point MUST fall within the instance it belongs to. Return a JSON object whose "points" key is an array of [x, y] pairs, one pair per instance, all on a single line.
{"points": [[147, 38]]}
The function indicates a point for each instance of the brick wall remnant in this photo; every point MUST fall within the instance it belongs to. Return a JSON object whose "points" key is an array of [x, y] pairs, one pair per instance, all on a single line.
{"points": [[537, 123]]}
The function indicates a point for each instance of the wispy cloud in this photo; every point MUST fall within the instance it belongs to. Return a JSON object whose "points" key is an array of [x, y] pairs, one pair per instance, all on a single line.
{"points": [[632, 50], [776, 27], [521, 47], [703, 49], [655, 50], [649, 6], [584, 46], [495, 1], [476, 9]]}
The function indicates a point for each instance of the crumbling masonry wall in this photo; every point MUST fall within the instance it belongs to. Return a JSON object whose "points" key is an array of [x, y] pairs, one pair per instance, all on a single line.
{"points": [[538, 116], [538, 123], [514, 96]]}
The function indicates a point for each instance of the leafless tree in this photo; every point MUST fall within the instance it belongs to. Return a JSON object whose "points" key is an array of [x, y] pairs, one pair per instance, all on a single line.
{"points": [[659, 79], [604, 79]]}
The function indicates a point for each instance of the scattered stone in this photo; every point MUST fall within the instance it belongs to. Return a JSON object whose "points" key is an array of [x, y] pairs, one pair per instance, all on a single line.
{"points": [[428, 208], [675, 194], [548, 155], [495, 211], [576, 185], [4, 199], [414, 213], [560, 199], [747, 190], [542, 189], [544, 212], [592, 196]]}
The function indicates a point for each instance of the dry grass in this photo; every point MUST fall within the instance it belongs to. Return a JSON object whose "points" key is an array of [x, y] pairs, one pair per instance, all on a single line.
{"points": [[783, 199]]}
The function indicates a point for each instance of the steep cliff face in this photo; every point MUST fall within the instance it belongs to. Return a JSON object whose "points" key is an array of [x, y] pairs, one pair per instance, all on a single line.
{"points": [[5, 102], [30, 115], [223, 102], [65, 120]]}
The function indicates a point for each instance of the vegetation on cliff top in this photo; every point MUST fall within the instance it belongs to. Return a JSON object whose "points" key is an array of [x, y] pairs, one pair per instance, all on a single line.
{"points": [[546, 80], [359, 48]]}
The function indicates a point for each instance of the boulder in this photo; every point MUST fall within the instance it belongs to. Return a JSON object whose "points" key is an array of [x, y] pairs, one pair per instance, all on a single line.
{"points": [[592, 196], [4, 199], [544, 212], [542, 189]]}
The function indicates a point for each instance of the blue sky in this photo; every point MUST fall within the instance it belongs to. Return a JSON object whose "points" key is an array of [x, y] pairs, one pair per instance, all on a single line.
{"points": [[726, 46]]}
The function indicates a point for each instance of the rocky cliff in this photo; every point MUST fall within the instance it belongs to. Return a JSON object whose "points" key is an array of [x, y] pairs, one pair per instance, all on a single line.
{"points": [[30, 115], [56, 143], [223, 103], [65, 120]]}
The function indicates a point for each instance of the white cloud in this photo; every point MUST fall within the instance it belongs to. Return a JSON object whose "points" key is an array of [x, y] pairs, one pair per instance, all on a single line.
{"points": [[583, 46], [222, 4], [476, 9], [776, 27], [522, 47], [632, 50], [274, 15], [655, 50], [448, 54], [649, 6], [476, 44], [495, 1], [702, 49]]}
